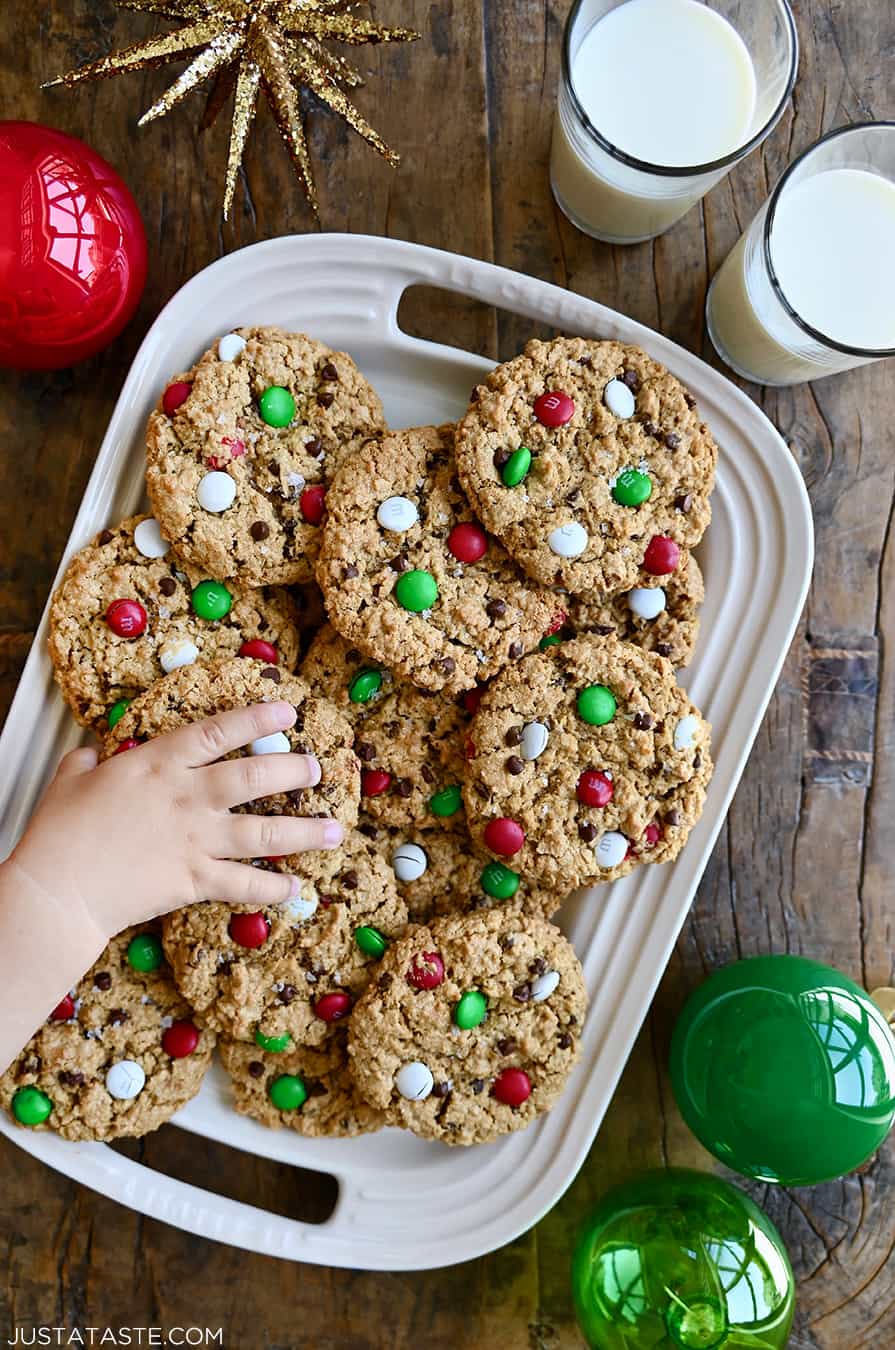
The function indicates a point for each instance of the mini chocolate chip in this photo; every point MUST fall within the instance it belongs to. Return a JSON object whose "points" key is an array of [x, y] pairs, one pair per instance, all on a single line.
{"points": [[71, 1078], [500, 458], [565, 1041], [603, 629], [440, 1089], [631, 379], [513, 736], [427, 773], [117, 1016], [643, 721], [697, 760], [587, 831], [369, 831], [507, 1046], [538, 966], [167, 585], [403, 787], [225, 968], [255, 1068], [325, 399], [689, 399], [399, 563], [102, 980], [106, 537], [515, 651], [271, 673], [684, 503], [585, 360], [663, 648], [350, 879], [673, 818], [386, 981], [314, 447], [350, 572], [507, 942], [272, 466], [365, 751], [514, 764], [329, 372], [477, 1085], [448, 665], [287, 993], [672, 440], [259, 529], [650, 428], [495, 609], [573, 495], [522, 993]]}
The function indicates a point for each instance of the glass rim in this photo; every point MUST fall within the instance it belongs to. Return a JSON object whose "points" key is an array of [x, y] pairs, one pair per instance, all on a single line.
{"points": [[686, 170], [874, 353]]}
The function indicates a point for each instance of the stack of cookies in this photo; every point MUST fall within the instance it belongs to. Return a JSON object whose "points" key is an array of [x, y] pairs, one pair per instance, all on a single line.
{"points": [[479, 627]]}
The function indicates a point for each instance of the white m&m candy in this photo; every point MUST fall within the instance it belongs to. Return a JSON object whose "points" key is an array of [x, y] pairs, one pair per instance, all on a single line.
{"points": [[397, 513], [568, 541], [544, 985], [277, 743], [409, 862], [216, 492], [148, 539], [685, 732], [534, 740], [230, 345], [611, 849], [619, 399], [301, 908], [414, 1081], [647, 602], [180, 652], [125, 1080]]}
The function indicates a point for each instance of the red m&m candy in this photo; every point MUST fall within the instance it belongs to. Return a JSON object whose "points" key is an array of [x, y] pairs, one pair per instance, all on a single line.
{"points": [[130, 744], [126, 618], [259, 650], [373, 782], [333, 1007], [180, 1039], [662, 556], [311, 504], [63, 1010], [554, 409], [472, 698], [556, 623], [595, 788], [174, 395], [249, 930], [652, 834], [426, 971], [504, 836], [512, 1087], [468, 542]]}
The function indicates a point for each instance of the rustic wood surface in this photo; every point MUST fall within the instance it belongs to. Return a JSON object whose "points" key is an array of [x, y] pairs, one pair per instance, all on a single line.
{"points": [[805, 861]]}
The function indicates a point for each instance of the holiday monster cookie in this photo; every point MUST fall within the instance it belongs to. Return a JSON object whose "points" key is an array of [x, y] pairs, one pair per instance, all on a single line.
{"points": [[410, 577], [241, 449], [410, 742], [196, 692], [286, 975], [589, 759], [471, 1027], [118, 1055], [660, 614], [309, 1089], [588, 460], [127, 611]]}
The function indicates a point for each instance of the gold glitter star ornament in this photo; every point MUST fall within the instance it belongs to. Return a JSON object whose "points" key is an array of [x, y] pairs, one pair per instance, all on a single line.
{"points": [[249, 46]]}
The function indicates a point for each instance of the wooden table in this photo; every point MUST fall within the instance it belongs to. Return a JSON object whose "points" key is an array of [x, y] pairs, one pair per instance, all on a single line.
{"points": [[805, 861]]}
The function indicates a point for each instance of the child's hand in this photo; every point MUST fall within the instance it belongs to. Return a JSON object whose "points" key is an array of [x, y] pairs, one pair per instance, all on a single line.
{"points": [[151, 829]]}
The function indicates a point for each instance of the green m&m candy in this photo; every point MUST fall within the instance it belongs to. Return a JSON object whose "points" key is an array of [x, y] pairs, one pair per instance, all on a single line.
{"points": [[30, 1106], [632, 488], [144, 952], [516, 467], [446, 801], [212, 600], [596, 705], [288, 1092], [274, 1044], [117, 711], [370, 941], [276, 406], [551, 640], [416, 590], [498, 881], [470, 1010], [365, 684]]}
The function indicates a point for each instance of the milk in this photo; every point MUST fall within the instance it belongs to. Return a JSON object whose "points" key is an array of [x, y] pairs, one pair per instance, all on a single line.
{"points": [[831, 246], [669, 82]]}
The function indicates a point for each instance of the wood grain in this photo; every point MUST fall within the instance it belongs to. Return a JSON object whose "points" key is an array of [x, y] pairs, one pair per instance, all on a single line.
{"points": [[805, 861]]}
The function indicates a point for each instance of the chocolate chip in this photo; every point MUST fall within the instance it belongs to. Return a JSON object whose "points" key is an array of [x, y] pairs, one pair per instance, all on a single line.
{"points": [[449, 665], [271, 673], [643, 721], [684, 503], [587, 831], [475, 394], [663, 648], [538, 966], [350, 572], [697, 760], [369, 831], [672, 440], [689, 399], [440, 1089], [167, 585], [650, 427], [495, 609], [513, 736], [316, 445], [259, 530], [287, 993], [477, 1085], [102, 980], [399, 563], [573, 495], [403, 787], [427, 773], [522, 993], [325, 399], [71, 1078], [365, 751], [272, 466], [672, 818], [631, 379], [106, 537], [255, 1068], [585, 360], [514, 764], [500, 458], [351, 880], [565, 1041], [225, 968], [507, 1046], [515, 651], [329, 372], [508, 942], [603, 629], [117, 1016], [386, 981]]}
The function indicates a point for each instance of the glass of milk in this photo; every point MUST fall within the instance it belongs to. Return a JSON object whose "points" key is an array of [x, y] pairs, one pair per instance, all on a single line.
{"points": [[809, 290], [658, 99]]}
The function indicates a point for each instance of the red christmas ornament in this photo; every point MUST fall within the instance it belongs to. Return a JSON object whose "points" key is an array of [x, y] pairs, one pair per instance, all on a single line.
{"points": [[662, 556], [126, 618], [373, 782], [426, 971], [594, 788], [180, 1039], [504, 836], [468, 542], [63, 1010], [311, 504], [249, 930], [174, 396], [512, 1087], [72, 249], [333, 1007], [554, 409], [259, 650]]}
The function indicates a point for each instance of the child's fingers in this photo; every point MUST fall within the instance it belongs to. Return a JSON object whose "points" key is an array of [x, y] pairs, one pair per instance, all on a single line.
{"points": [[204, 742], [77, 761], [241, 884], [245, 780], [275, 836]]}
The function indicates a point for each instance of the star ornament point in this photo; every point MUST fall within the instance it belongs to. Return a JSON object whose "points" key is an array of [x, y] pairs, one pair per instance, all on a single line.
{"points": [[249, 48]]}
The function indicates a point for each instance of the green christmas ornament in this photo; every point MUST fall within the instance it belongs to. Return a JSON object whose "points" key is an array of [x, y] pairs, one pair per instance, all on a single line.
{"points": [[632, 488], [416, 590], [144, 952], [447, 801], [288, 1092], [596, 705], [365, 684], [498, 881], [30, 1106], [116, 712], [274, 1045], [211, 600], [370, 941], [681, 1260], [471, 1010], [276, 406], [517, 467], [785, 1070]]}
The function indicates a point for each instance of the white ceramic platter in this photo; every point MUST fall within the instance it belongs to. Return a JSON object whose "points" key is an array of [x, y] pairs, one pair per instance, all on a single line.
{"points": [[757, 556]]}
